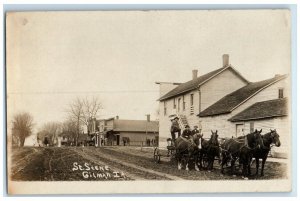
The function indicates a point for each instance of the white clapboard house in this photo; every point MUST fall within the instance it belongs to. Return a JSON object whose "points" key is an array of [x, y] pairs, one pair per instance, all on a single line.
{"points": [[224, 100]]}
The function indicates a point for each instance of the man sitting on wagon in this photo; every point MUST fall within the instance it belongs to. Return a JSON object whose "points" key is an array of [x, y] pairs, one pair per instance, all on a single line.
{"points": [[195, 130], [187, 133]]}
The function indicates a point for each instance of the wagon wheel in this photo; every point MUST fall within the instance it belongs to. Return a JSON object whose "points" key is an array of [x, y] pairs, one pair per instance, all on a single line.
{"points": [[156, 155]]}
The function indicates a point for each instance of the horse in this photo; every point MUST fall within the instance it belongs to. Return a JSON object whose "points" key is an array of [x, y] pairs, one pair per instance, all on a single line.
{"points": [[187, 149], [241, 148], [210, 149], [269, 138]]}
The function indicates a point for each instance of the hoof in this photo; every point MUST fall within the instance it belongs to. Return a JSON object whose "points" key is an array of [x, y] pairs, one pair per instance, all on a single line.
{"points": [[234, 175], [208, 171], [187, 169], [245, 178]]}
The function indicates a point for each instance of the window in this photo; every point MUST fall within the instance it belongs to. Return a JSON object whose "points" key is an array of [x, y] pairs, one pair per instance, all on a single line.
{"points": [[183, 103], [192, 99], [179, 104], [280, 93], [251, 127], [165, 108], [174, 104]]}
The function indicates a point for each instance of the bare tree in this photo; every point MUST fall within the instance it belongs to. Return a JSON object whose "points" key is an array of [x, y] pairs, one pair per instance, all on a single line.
{"points": [[22, 127], [91, 109], [69, 130], [75, 113], [82, 111], [51, 130]]}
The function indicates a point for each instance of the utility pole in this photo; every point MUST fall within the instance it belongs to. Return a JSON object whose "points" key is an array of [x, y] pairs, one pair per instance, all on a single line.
{"points": [[148, 120]]}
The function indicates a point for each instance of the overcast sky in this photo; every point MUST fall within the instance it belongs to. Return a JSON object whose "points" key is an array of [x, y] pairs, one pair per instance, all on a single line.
{"points": [[54, 57]]}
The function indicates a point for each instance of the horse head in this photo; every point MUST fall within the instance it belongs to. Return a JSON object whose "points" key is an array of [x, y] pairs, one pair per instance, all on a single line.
{"points": [[275, 137], [198, 139], [214, 138], [255, 139]]}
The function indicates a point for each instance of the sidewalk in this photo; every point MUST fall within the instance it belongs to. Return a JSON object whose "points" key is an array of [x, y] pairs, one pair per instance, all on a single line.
{"points": [[278, 160]]}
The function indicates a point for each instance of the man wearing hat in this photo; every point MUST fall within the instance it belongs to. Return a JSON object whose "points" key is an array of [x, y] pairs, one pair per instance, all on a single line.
{"points": [[195, 130], [175, 128], [187, 133]]}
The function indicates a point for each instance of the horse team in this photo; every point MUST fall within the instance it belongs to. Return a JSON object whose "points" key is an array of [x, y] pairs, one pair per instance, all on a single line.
{"points": [[228, 151]]}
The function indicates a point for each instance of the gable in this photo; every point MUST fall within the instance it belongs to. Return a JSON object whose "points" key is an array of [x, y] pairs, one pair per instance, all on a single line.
{"points": [[195, 83], [234, 99], [262, 110]]}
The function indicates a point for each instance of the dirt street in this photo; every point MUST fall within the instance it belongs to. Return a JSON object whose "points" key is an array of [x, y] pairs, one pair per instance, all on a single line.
{"points": [[111, 163]]}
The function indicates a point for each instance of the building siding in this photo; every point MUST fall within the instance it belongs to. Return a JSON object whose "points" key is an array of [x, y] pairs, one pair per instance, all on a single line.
{"points": [[228, 129], [137, 138], [219, 86]]}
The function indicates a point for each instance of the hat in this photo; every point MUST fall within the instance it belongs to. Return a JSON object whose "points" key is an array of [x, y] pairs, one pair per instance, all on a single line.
{"points": [[175, 118], [187, 126], [195, 126]]}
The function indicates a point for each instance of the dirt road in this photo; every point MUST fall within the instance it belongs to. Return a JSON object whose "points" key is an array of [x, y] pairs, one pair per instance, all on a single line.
{"points": [[109, 163]]}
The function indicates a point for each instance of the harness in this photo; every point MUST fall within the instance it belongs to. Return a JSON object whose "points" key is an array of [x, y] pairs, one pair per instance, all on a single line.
{"points": [[190, 143], [246, 144]]}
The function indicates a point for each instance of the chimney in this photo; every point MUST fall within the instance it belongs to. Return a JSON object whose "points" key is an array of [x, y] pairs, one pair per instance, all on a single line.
{"points": [[117, 117], [225, 60], [195, 72]]}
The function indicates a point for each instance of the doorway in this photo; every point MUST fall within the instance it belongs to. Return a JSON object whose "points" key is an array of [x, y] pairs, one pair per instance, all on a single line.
{"points": [[118, 139], [239, 130]]}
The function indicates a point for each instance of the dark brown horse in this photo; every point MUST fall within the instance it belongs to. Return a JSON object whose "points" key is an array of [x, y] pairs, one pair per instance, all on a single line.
{"points": [[269, 138], [209, 149], [241, 148], [186, 150]]}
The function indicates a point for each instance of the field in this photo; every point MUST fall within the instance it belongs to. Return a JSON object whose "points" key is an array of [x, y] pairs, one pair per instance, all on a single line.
{"points": [[111, 163]]}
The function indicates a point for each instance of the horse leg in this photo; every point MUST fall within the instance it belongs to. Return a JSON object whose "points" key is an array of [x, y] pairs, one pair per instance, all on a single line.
{"points": [[263, 166], [223, 162], [232, 166], [200, 159], [210, 162], [179, 163], [257, 165], [196, 161], [187, 163], [244, 171], [249, 165]]}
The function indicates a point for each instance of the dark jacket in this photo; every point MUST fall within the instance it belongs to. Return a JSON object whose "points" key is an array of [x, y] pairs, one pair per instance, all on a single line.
{"points": [[187, 133], [175, 126]]}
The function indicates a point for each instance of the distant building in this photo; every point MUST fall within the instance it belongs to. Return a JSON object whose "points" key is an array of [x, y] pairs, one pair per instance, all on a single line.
{"points": [[117, 132]]}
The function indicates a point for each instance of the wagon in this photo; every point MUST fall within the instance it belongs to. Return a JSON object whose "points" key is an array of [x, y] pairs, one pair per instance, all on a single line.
{"points": [[159, 152], [169, 151]]}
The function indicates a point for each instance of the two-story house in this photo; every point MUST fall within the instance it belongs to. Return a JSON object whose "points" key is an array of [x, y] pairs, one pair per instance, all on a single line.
{"points": [[187, 100], [224, 100]]}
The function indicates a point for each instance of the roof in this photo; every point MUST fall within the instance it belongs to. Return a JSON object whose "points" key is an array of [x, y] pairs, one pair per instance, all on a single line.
{"points": [[135, 125], [236, 98], [262, 110], [195, 83]]}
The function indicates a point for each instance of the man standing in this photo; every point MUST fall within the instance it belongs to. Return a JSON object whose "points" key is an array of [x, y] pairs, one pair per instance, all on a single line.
{"points": [[175, 128]]}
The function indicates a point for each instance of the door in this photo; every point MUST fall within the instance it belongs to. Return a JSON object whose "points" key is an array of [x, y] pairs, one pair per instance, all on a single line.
{"points": [[118, 139], [239, 130]]}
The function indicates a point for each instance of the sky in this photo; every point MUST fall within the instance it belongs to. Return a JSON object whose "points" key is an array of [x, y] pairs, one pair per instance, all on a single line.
{"points": [[55, 57]]}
